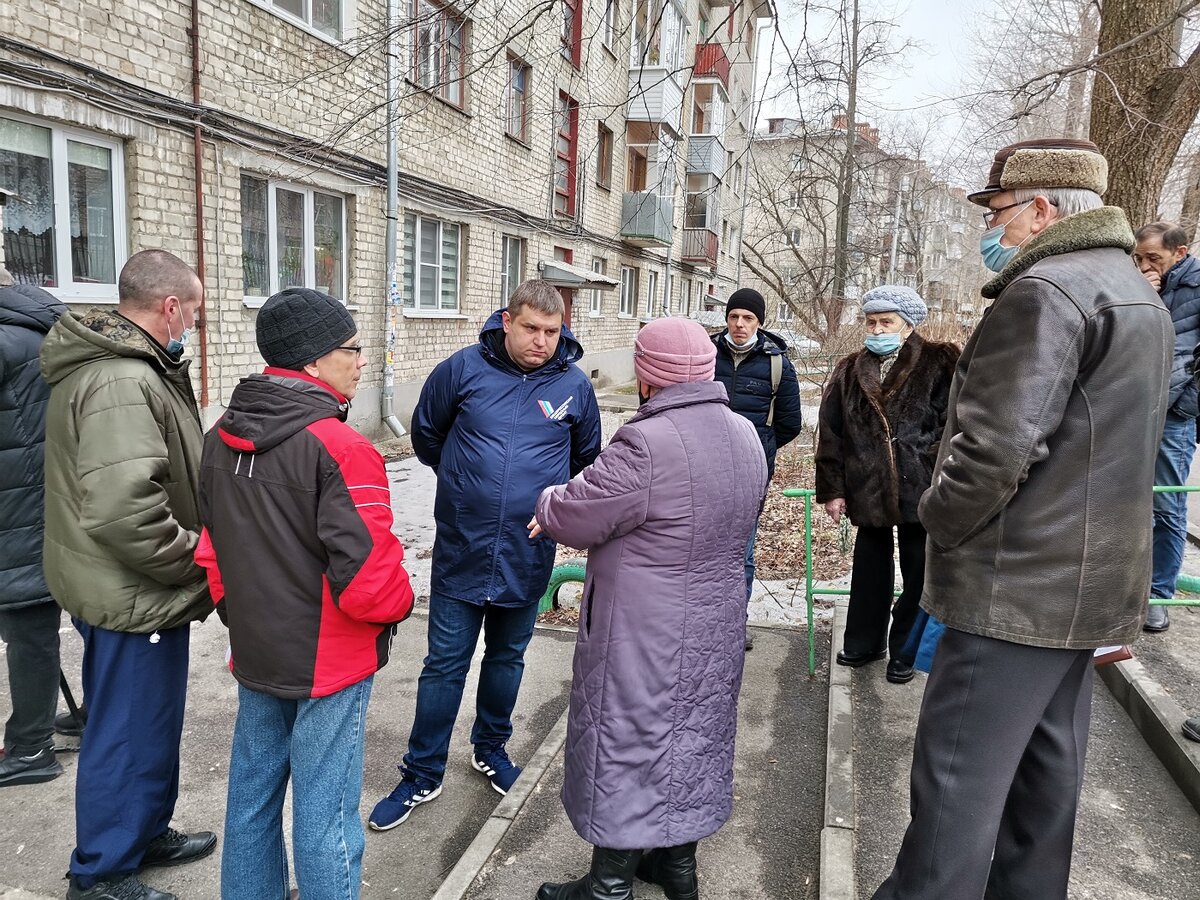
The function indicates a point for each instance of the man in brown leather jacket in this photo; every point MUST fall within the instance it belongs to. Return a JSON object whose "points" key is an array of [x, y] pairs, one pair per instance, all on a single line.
{"points": [[1039, 536]]}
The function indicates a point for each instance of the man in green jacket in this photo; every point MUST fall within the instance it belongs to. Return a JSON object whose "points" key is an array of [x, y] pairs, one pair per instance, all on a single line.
{"points": [[123, 443]]}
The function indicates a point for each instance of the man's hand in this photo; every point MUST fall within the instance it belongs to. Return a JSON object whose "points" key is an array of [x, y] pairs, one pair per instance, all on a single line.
{"points": [[534, 528], [1153, 277], [836, 508]]}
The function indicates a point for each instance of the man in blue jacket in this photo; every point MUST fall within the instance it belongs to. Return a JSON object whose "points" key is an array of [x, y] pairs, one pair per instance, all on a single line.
{"points": [[1162, 255], [761, 382], [498, 421]]}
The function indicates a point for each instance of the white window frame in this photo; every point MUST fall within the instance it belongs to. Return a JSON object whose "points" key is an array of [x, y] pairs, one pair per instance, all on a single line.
{"points": [[515, 65], [596, 309], [68, 289], [629, 285], [687, 297], [608, 31], [347, 16], [425, 311], [652, 295], [786, 314], [506, 242], [310, 265]]}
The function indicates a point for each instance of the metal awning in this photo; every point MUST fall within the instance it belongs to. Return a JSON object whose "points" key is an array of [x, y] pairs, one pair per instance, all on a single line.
{"points": [[561, 274]]}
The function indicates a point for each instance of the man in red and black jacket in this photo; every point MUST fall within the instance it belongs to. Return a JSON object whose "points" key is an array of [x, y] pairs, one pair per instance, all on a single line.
{"points": [[310, 580]]}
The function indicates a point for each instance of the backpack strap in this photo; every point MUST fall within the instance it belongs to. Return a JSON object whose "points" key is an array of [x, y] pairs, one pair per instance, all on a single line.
{"points": [[776, 378]]}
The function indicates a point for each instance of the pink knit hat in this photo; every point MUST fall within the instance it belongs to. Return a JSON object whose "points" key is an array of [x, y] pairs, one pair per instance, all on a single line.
{"points": [[673, 350]]}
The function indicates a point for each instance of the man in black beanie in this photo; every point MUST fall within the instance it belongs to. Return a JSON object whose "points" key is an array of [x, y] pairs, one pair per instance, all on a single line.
{"points": [[310, 580], [761, 382]]}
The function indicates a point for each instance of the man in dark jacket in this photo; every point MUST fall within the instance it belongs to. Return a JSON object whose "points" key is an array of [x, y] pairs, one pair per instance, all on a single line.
{"points": [[1163, 257], [308, 576], [1037, 552], [123, 444], [761, 382], [498, 422], [29, 617]]}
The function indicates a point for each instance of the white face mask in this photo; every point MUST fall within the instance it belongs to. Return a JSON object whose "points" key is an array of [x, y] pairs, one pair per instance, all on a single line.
{"points": [[175, 346]]}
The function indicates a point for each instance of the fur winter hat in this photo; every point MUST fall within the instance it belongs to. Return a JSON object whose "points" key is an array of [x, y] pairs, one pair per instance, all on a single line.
{"points": [[897, 298], [673, 350], [299, 325], [1045, 163]]}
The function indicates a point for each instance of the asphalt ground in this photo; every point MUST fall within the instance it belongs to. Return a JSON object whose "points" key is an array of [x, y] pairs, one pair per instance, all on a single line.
{"points": [[769, 848], [37, 824], [1137, 837]]}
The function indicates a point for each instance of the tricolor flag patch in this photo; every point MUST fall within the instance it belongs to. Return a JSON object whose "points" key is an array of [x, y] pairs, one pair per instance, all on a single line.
{"points": [[550, 412]]}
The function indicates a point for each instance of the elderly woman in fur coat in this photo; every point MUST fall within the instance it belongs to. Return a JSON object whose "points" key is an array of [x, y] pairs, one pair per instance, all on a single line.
{"points": [[880, 424]]}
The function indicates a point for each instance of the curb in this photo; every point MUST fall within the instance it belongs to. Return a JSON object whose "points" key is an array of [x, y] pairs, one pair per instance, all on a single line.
{"points": [[1193, 534], [475, 857], [837, 834], [1158, 717]]}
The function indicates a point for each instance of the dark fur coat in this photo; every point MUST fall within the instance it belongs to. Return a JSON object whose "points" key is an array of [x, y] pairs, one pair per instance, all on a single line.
{"points": [[877, 443]]}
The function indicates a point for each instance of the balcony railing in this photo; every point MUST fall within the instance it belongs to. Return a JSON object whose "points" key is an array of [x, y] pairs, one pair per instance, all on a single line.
{"points": [[646, 219], [706, 155], [699, 246], [712, 62]]}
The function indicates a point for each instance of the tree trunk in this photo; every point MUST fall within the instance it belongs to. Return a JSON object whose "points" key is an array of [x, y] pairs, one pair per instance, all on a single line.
{"points": [[1143, 103], [1189, 217]]}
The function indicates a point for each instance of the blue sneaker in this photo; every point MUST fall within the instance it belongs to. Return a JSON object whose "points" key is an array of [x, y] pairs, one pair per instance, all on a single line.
{"points": [[397, 806], [496, 765]]}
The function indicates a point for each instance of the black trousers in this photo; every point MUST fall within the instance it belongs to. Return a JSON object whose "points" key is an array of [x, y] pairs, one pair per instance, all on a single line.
{"points": [[31, 634], [996, 775], [871, 582]]}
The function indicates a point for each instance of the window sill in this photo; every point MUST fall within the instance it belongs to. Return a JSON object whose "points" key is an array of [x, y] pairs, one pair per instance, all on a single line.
{"points": [[337, 43], [595, 315], [607, 188], [525, 145], [433, 94], [76, 295], [433, 314], [626, 316], [257, 303], [609, 50]]}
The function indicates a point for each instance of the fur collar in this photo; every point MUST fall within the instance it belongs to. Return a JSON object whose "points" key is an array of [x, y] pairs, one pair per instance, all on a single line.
{"points": [[1106, 226], [866, 370]]}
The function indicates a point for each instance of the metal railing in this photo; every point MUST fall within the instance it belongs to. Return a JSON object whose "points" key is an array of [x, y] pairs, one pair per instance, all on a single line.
{"points": [[814, 589]]}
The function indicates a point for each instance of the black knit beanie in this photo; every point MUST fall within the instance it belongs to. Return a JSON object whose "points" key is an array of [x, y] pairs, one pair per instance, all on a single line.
{"points": [[748, 299], [299, 325]]}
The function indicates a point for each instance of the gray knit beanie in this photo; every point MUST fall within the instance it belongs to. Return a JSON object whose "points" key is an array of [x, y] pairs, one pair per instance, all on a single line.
{"points": [[299, 325], [897, 298]]}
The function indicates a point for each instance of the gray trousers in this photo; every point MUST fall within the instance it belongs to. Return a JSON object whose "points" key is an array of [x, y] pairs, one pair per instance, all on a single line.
{"points": [[997, 771]]}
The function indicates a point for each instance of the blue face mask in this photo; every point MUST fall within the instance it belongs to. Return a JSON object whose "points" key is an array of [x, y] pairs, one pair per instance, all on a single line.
{"points": [[175, 346], [883, 344], [995, 255]]}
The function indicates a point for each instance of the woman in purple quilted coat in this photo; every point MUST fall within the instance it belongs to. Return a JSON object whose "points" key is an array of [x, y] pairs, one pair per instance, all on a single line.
{"points": [[664, 512]]}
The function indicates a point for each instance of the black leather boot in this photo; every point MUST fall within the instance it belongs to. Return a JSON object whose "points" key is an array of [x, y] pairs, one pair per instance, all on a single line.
{"points": [[673, 869], [611, 878]]}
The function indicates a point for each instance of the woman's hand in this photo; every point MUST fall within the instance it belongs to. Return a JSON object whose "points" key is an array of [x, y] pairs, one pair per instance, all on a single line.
{"points": [[836, 508], [534, 528]]}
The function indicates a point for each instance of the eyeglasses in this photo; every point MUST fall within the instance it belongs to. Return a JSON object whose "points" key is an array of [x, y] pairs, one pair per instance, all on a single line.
{"points": [[355, 349], [990, 216]]}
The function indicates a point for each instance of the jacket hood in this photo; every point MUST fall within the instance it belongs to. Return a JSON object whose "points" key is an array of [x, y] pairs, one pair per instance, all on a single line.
{"points": [[569, 349], [28, 306], [100, 334], [267, 409], [768, 342], [1185, 273], [1106, 226], [687, 393]]}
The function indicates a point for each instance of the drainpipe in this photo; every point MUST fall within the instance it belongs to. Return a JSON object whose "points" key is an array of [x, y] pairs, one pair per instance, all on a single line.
{"points": [[757, 105], [198, 168], [387, 406]]}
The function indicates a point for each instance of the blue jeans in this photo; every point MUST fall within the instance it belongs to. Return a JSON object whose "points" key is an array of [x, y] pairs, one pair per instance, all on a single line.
{"points": [[750, 561], [453, 632], [127, 779], [319, 744], [1170, 510]]}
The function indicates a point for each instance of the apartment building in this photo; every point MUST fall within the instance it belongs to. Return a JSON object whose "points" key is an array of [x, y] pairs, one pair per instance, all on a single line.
{"points": [[597, 143], [905, 226]]}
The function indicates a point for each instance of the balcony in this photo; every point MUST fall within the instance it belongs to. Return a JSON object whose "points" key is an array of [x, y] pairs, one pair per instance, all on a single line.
{"points": [[706, 156], [646, 219], [712, 62], [655, 96], [699, 246]]}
